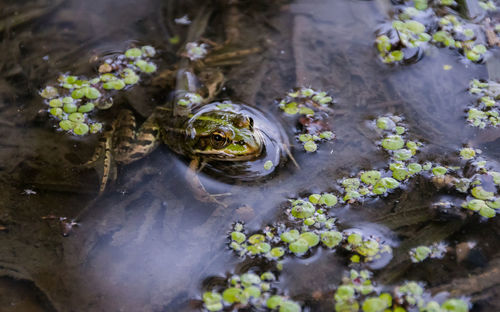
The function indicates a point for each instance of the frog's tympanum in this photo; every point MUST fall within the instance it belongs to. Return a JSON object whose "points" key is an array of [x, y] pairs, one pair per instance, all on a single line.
{"points": [[228, 139]]}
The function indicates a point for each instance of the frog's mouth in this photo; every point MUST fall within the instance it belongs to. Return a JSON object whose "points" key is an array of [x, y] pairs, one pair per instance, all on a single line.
{"points": [[236, 151]]}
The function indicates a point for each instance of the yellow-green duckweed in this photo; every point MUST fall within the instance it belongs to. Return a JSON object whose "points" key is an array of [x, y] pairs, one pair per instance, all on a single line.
{"points": [[74, 98]]}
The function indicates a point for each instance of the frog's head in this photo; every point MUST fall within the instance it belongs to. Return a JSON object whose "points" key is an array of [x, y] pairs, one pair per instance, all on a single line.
{"points": [[219, 132]]}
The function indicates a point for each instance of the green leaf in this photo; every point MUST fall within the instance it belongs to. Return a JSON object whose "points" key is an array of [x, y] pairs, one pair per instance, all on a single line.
{"points": [[479, 193], [299, 246], [328, 200], [331, 238], [310, 146], [311, 238], [238, 237], [232, 295], [274, 302], [371, 177], [302, 209], [393, 142], [290, 236]]}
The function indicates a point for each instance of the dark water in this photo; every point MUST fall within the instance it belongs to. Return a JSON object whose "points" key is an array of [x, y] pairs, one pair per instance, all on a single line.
{"points": [[147, 244]]}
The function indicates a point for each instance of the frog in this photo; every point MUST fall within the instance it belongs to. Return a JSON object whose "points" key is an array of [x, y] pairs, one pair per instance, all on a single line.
{"points": [[225, 138]]}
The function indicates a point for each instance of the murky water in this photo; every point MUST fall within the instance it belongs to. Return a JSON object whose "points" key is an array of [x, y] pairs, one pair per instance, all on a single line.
{"points": [[147, 244]]}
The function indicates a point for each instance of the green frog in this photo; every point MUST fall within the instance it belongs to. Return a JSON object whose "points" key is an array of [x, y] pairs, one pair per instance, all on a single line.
{"points": [[227, 139]]}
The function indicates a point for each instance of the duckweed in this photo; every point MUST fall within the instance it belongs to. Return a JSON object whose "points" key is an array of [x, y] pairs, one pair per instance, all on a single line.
{"points": [[49, 93], [467, 153], [76, 97], [399, 36], [385, 123], [313, 107], [302, 209], [435, 251], [70, 108], [367, 247], [56, 112], [95, 127], [328, 199], [133, 53], [331, 238], [393, 142], [66, 125], [248, 291], [371, 177], [81, 128], [308, 226], [439, 170], [212, 301], [479, 193], [310, 146], [299, 246], [486, 110], [86, 107], [55, 103], [268, 165], [413, 28]]}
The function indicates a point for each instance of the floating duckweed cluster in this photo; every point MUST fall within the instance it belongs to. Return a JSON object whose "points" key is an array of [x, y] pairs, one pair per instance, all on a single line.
{"points": [[455, 33], [402, 166], [249, 290], [309, 140], [357, 291], [309, 223], [434, 251], [415, 26], [486, 110], [370, 248], [482, 188], [74, 98], [310, 227], [305, 101], [310, 106], [401, 37], [481, 185], [483, 193]]}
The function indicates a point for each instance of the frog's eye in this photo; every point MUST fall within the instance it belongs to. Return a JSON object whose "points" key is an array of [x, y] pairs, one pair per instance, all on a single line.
{"points": [[219, 139]]}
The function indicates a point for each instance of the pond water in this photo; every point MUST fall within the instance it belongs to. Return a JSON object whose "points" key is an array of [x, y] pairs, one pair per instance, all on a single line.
{"points": [[147, 244]]}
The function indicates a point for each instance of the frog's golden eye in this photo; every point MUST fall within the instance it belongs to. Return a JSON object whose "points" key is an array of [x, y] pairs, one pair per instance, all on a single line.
{"points": [[218, 139]]}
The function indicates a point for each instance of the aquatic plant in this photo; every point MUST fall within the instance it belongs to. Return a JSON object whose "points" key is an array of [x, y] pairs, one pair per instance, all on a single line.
{"points": [[455, 33], [358, 291], [414, 26], [434, 251], [312, 107], [249, 290], [485, 112], [308, 226], [308, 223], [74, 99], [398, 41]]}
